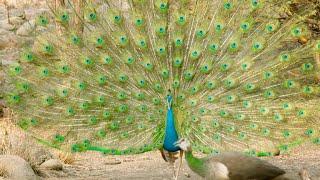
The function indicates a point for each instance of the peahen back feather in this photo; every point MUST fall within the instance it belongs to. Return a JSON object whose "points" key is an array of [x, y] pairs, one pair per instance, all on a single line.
{"points": [[240, 76]]}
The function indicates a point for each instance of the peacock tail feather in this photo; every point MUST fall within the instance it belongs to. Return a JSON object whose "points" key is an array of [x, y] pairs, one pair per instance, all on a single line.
{"points": [[240, 76]]}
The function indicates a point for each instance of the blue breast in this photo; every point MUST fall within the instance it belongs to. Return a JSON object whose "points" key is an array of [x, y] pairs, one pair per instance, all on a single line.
{"points": [[171, 135]]}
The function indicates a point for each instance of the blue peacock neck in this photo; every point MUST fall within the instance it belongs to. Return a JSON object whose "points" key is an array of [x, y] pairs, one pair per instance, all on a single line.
{"points": [[171, 135]]}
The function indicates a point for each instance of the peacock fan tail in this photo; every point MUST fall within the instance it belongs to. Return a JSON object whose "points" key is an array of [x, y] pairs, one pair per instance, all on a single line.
{"points": [[240, 76]]}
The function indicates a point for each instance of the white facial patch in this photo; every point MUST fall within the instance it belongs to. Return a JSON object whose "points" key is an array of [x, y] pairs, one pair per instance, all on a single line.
{"points": [[184, 145]]}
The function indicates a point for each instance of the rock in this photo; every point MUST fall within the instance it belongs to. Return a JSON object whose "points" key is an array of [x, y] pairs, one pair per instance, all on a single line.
{"points": [[52, 164], [7, 39], [26, 28], [16, 168], [32, 13], [4, 41], [6, 26], [4, 32], [17, 21], [22, 41], [3, 12], [39, 156], [187, 175], [113, 162], [17, 13]]}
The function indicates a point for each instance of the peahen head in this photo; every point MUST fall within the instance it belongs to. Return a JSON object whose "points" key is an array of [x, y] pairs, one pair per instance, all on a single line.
{"points": [[184, 144]]}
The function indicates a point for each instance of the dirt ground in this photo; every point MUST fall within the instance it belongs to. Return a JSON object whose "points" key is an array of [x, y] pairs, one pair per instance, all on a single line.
{"points": [[150, 165]]}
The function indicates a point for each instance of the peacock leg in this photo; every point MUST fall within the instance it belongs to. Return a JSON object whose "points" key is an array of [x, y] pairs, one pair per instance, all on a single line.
{"points": [[174, 169], [172, 164], [180, 163]]}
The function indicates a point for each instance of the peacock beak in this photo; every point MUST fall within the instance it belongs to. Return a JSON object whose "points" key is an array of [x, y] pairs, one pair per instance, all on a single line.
{"points": [[177, 143]]}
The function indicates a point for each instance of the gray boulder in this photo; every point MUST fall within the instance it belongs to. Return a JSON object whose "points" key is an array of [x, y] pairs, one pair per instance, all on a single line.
{"points": [[14, 167], [52, 164]]}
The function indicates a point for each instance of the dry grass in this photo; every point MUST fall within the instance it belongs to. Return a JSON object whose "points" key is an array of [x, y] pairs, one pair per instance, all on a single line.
{"points": [[3, 172], [66, 158]]}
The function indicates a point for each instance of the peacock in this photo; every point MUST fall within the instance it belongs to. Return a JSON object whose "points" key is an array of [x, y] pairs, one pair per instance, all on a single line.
{"points": [[127, 77]]}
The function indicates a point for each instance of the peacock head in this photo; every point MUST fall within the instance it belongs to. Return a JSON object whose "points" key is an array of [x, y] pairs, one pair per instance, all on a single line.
{"points": [[184, 144], [169, 96]]}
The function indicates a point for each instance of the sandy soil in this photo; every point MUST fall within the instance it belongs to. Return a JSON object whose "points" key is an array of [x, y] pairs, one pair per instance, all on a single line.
{"points": [[150, 165]]}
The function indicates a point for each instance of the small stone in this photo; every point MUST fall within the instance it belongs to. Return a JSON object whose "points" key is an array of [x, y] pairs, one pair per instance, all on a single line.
{"points": [[113, 162], [187, 175], [52, 164], [17, 21]]}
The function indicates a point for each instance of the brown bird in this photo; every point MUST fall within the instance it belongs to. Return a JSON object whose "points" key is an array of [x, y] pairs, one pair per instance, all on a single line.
{"points": [[230, 166]]}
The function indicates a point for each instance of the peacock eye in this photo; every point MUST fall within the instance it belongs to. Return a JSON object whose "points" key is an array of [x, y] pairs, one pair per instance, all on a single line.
{"points": [[227, 5], [255, 2], [162, 5]]}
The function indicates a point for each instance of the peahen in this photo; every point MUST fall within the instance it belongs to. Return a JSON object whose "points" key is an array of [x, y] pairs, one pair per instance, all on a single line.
{"points": [[241, 77], [230, 166]]}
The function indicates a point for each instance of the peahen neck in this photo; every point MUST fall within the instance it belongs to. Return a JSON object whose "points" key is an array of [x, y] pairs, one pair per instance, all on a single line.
{"points": [[197, 165], [171, 135]]}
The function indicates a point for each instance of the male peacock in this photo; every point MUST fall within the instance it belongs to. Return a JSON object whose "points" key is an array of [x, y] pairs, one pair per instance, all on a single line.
{"points": [[241, 77]]}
